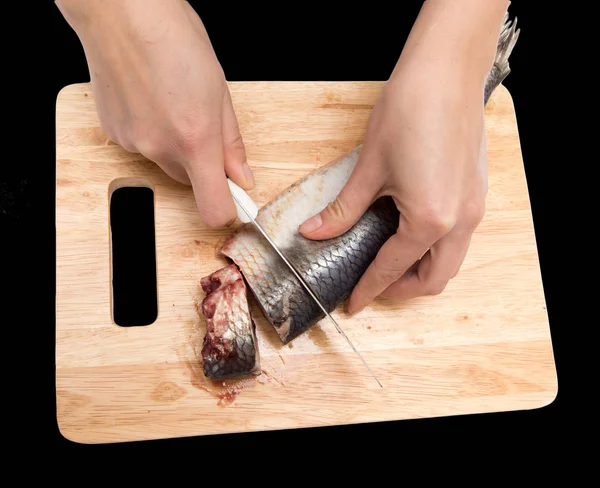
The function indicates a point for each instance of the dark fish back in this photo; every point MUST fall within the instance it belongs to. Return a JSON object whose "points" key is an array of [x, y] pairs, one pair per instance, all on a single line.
{"points": [[333, 267]]}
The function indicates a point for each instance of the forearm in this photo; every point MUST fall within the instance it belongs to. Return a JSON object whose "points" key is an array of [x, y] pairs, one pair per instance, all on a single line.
{"points": [[84, 14], [455, 35]]}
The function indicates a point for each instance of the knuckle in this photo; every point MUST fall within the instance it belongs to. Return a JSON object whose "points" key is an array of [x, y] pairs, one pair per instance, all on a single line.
{"points": [[387, 272], [190, 136], [187, 139], [434, 222], [441, 223], [474, 212], [435, 287], [148, 143], [149, 148], [388, 275], [337, 209]]}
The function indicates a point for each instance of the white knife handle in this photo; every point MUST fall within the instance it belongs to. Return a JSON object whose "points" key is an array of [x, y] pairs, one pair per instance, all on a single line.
{"points": [[245, 200]]}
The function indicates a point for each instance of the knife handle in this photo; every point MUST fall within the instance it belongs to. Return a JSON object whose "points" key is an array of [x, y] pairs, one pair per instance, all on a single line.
{"points": [[245, 200]]}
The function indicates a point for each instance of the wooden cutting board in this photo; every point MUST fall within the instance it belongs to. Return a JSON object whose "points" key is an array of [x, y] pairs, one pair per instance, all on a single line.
{"points": [[482, 346]]}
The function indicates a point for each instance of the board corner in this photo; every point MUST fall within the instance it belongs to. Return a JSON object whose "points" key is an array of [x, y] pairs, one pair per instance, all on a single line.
{"points": [[69, 435], [71, 88]]}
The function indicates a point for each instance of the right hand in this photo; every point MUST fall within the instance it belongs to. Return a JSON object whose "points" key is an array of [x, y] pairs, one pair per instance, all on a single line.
{"points": [[161, 92]]}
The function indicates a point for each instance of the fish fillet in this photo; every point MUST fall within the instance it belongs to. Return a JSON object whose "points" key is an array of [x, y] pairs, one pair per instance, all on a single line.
{"points": [[230, 346], [331, 267]]}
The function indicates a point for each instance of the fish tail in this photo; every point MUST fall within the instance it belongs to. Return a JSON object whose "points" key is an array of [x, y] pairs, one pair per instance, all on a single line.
{"points": [[506, 43]]}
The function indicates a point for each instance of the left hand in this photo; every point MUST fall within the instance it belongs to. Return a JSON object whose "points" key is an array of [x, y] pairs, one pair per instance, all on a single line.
{"points": [[424, 146]]}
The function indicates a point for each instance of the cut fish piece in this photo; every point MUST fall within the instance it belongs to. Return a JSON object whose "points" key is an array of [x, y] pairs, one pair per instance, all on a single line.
{"points": [[230, 346]]}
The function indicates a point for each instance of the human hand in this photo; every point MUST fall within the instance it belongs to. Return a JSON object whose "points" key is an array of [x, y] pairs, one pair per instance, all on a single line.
{"points": [[160, 91], [425, 147]]}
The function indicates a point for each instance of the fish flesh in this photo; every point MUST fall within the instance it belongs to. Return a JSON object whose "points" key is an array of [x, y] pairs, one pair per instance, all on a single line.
{"points": [[331, 267], [230, 346]]}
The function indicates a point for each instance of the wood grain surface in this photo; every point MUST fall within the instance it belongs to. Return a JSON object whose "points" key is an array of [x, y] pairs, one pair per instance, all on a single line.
{"points": [[481, 346]]}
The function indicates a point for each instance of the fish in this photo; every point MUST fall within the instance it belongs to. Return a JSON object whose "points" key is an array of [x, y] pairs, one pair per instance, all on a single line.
{"points": [[230, 345], [331, 267]]}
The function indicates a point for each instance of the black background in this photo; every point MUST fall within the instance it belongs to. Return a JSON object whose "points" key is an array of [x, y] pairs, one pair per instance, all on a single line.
{"points": [[308, 41]]}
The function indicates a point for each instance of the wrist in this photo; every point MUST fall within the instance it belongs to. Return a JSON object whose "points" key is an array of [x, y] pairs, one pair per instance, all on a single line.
{"points": [[86, 15], [454, 38], [79, 13]]}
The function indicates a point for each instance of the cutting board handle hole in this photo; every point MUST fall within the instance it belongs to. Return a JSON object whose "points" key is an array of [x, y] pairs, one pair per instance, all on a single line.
{"points": [[133, 253]]}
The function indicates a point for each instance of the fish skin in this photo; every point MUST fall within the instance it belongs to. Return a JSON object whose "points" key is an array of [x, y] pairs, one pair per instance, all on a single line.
{"points": [[331, 267], [230, 346]]}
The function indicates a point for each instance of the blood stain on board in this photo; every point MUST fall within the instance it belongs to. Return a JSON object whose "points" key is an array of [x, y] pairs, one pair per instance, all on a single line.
{"points": [[226, 392], [417, 340]]}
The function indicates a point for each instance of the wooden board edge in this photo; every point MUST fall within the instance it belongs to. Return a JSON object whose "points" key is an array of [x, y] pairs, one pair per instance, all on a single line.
{"points": [[539, 401], [75, 87]]}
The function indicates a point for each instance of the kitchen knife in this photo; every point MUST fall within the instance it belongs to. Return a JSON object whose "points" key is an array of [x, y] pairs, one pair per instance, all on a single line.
{"points": [[247, 211]]}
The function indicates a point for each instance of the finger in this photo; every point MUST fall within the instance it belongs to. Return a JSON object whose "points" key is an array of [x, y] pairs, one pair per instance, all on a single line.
{"points": [[236, 165], [359, 192], [209, 184], [394, 258], [437, 267]]}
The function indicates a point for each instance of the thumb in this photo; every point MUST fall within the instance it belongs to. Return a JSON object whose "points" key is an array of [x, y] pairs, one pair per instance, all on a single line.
{"points": [[209, 184], [236, 166], [360, 191]]}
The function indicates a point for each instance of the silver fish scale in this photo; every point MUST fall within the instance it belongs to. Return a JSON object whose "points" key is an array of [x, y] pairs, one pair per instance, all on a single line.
{"points": [[331, 270]]}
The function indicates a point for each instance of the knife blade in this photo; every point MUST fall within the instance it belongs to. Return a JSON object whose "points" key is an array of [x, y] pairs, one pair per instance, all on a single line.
{"points": [[247, 212]]}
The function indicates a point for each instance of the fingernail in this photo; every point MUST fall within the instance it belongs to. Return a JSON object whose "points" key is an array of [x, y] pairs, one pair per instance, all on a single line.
{"points": [[311, 224], [248, 174]]}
